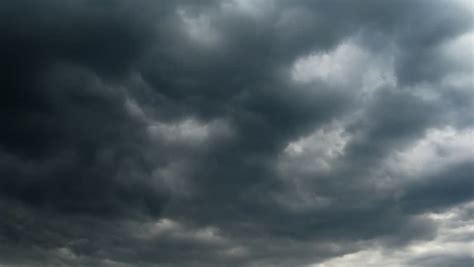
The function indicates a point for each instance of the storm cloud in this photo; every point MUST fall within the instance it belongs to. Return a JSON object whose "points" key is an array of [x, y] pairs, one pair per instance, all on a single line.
{"points": [[236, 133]]}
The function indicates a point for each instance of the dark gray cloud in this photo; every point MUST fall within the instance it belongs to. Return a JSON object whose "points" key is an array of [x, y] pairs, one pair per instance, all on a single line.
{"points": [[236, 133]]}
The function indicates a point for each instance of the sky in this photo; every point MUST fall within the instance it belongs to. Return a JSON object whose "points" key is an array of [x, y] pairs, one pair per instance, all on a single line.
{"points": [[237, 133]]}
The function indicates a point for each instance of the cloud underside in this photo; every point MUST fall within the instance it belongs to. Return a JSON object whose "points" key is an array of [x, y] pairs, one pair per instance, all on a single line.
{"points": [[237, 133]]}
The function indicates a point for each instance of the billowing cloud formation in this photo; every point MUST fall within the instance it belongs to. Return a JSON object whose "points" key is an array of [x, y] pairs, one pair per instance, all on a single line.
{"points": [[236, 133]]}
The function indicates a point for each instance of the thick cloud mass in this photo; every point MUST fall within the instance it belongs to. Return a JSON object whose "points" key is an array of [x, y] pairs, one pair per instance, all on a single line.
{"points": [[237, 133]]}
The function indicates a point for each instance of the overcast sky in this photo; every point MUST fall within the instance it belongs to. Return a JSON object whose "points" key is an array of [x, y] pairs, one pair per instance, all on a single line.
{"points": [[238, 133]]}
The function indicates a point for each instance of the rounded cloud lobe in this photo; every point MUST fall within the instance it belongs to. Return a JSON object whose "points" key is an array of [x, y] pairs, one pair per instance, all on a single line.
{"points": [[236, 133]]}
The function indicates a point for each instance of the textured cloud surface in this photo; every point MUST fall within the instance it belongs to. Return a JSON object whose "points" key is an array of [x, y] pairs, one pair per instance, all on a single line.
{"points": [[245, 133]]}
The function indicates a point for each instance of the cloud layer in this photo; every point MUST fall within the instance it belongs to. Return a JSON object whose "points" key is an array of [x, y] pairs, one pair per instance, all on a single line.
{"points": [[236, 133]]}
